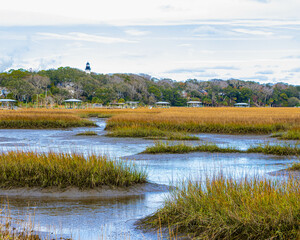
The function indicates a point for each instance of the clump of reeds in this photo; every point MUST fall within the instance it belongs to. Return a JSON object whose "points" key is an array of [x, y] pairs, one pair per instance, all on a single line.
{"points": [[87, 133], [287, 149], [32, 169], [166, 147], [95, 115], [230, 209], [149, 133], [294, 167], [42, 118], [293, 134]]}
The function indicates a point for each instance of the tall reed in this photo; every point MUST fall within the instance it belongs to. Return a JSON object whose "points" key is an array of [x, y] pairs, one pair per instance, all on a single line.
{"points": [[41, 118], [231, 209], [32, 169]]}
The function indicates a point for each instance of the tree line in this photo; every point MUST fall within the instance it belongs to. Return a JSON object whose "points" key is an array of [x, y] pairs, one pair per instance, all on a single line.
{"points": [[55, 85]]}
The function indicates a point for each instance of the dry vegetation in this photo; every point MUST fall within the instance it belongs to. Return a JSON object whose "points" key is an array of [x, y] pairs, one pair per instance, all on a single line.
{"points": [[230, 209], [213, 120], [41, 118], [32, 169]]}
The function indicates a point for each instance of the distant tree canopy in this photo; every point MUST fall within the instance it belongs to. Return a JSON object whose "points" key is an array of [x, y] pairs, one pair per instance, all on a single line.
{"points": [[58, 84]]}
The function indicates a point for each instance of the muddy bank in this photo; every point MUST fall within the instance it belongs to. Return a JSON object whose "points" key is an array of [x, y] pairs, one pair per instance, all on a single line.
{"points": [[75, 193]]}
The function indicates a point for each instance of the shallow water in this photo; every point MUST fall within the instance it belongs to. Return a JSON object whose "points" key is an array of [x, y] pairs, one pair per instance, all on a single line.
{"points": [[114, 218]]}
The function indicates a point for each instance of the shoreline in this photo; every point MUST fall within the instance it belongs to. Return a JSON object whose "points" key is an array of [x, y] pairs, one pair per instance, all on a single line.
{"points": [[76, 193]]}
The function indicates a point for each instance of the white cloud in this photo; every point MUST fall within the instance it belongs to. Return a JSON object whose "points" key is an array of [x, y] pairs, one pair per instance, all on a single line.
{"points": [[136, 12], [253, 32], [77, 36], [135, 32]]}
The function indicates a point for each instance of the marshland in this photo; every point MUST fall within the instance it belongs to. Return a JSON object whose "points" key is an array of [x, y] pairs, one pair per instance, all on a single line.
{"points": [[44, 148]]}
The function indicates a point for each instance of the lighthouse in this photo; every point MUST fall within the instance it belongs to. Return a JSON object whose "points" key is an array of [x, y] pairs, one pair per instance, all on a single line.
{"points": [[88, 68]]}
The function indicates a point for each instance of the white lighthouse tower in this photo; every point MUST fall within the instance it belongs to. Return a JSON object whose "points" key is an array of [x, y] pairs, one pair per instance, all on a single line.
{"points": [[88, 68]]}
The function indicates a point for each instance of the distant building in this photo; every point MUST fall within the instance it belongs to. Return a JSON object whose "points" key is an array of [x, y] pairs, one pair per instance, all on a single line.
{"points": [[242, 105], [162, 104], [194, 104], [88, 68]]}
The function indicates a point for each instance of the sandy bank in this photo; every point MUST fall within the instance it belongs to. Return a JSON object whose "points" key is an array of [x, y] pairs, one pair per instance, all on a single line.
{"points": [[75, 193]]}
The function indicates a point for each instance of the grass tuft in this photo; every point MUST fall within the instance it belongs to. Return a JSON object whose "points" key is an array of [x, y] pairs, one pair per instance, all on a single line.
{"points": [[295, 167], [32, 169], [149, 133], [229, 209], [165, 147], [87, 133]]}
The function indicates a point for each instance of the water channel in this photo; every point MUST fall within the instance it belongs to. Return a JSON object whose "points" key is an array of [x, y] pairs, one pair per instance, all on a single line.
{"points": [[114, 218]]}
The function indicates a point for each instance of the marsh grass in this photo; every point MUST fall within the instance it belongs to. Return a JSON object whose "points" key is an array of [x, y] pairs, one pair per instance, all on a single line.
{"points": [[287, 149], [41, 119], [232, 209], [211, 120], [32, 169], [166, 147], [149, 133], [294, 167], [291, 135], [87, 133]]}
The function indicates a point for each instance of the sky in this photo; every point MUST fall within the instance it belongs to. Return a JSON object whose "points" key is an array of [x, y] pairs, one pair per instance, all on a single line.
{"points": [[255, 40]]}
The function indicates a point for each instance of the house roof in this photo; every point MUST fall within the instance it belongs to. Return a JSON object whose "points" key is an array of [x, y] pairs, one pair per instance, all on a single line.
{"points": [[73, 100], [7, 100], [162, 103], [194, 102], [241, 104]]}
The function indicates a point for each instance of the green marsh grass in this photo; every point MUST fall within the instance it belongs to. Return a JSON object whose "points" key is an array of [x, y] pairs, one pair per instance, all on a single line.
{"points": [[294, 167], [288, 149], [165, 147], [32, 169], [149, 133], [87, 133], [232, 209]]}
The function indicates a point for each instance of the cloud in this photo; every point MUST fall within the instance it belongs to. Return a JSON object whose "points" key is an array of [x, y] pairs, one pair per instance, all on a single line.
{"points": [[257, 78], [292, 57], [253, 32], [262, 1], [295, 70], [224, 68], [6, 63], [266, 72], [186, 70], [78, 36], [135, 32], [207, 75]]}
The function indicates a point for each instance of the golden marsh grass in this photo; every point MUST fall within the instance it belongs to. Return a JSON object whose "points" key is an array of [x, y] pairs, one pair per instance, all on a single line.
{"points": [[231, 209], [32, 169], [216, 120]]}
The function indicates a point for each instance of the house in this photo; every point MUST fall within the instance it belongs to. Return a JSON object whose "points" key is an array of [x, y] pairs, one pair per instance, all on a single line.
{"points": [[162, 104], [194, 104], [242, 105], [73, 103], [116, 105], [132, 104]]}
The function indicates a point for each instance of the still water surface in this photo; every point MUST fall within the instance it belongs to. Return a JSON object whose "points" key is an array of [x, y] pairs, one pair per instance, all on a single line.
{"points": [[114, 218]]}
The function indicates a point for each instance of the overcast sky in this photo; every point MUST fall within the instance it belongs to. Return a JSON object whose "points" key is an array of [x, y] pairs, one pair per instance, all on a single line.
{"points": [[256, 40]]}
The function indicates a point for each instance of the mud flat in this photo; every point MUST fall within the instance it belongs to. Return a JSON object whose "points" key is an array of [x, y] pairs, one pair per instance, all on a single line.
{"points": [[76, 193]]}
